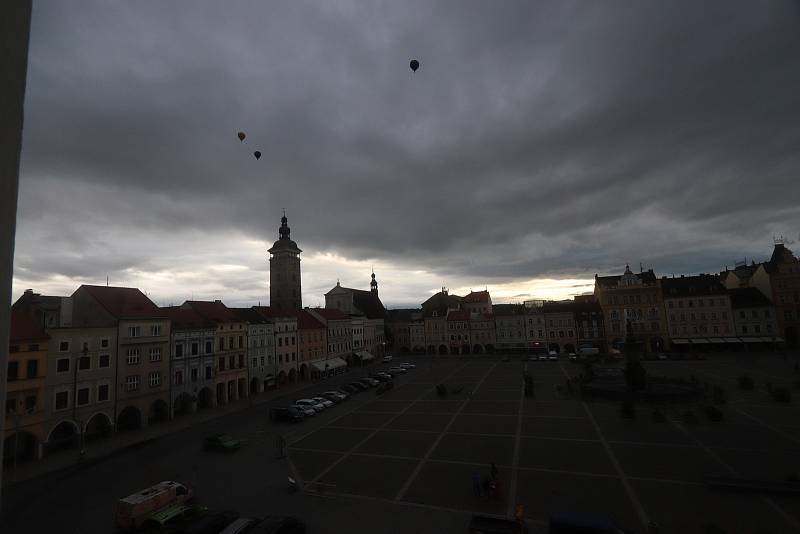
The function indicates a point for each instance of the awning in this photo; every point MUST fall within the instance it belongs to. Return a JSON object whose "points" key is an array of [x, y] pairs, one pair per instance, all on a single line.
{"points": [[752, 339], [732, 340], [329, 364], [680, 341], [716, 340], [365, 355]]}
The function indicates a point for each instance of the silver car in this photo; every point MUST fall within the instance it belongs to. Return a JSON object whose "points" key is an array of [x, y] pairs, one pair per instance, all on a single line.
{"points": [[327, 403], [314, 405], [307, 411]]}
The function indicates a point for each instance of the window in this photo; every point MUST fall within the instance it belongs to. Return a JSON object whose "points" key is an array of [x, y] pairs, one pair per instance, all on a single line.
{"points": [[104, 343], [769, 328], [63, 346], [262, 361], [155, 330], [84, 363], [232, 362], [155, 354], [62, 365], [132, 383], [62, 400], [134, 357], [255, 362], [83, 396], [758, 328], [195, 348], [766, 313], [178, 378], [754, 313], [241, 342], [221, 362], [33, 347], [102, 393], [13, 370], [209, 372], [179, 351], [209, 347], [30, 403], [155, 379], [744, 329], [33, 369], [741, 314], [194, 374], [222, 343], [134, 331], [11, 406]]}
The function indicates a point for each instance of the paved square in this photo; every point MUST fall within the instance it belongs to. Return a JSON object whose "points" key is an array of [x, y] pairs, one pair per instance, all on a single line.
{"points": [[559, 454]]}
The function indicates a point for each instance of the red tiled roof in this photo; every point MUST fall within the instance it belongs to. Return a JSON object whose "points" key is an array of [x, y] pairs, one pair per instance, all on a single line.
{"points": [[306, 321], [186, 318], [458, 315], [331, 314], [477, 296], [249, 315], [24, 327], [272, 312], [212, 310], [123, 302]]}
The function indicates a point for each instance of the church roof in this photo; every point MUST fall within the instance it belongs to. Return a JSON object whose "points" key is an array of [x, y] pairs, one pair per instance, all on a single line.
{"points": [[369, 304]]}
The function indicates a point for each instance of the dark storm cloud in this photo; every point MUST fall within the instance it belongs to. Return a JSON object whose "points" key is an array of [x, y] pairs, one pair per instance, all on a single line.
{"points": [[536, 138]]}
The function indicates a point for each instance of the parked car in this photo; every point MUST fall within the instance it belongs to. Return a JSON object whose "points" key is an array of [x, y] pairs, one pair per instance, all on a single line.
{"points": [[543, 357], [408, 365], [210, 523], [553, 356], [371, 382], [387, 358], [396, 370], [662, 356], [221, 443], [572, 357], [289, 413], [311, 404], [380, 377], [335, 396], [323, 401], [306, 410], [267, 525], [350, 388], [359, 386]]}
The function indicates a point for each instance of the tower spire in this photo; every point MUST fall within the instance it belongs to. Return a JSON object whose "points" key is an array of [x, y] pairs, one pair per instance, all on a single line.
{"points": [[373, 285]]}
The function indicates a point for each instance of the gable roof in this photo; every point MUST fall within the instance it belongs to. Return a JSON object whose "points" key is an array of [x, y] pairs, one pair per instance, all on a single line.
{"points": [[368, 303], [440, 302], [476, 296], [306, 321], [123, 302], [606, 282], [748, 297], [249, 315], [458, 315], [214, 310], [184, 318], [691, 286], [559, 307], [330, 314], [24, 327], [508, 309], [272, 312]]}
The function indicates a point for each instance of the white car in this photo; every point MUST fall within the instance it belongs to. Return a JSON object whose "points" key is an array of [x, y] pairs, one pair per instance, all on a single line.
{"points": [[323, 401], [314, 405], [341, 395], [408, 366], [387, 358], [308, 411], [572, 356], [396, 370], [543, 357]]}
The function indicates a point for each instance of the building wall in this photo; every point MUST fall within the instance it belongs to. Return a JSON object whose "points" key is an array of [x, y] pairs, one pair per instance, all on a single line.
{"points": [[561, 332], [458, 336], [340, 338], [260, 354], [25, 400], [66, 378], [286, 346], [643, 306], [755, 321], [436, 333], [313, 347], [192, 368], [700, 316], [536, 330]]}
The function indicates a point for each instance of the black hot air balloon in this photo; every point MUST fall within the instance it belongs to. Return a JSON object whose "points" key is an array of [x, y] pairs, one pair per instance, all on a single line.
{"points": [[414, 65], [257, 154], [241, 136]]}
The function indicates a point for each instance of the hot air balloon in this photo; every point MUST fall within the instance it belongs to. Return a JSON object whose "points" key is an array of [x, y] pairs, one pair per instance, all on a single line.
{"points": [[241, 136], [414, 65], [257, 154]]}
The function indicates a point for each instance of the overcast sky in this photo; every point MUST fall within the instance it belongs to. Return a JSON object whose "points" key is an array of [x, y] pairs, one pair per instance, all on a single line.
{"points": [[539, 143]]}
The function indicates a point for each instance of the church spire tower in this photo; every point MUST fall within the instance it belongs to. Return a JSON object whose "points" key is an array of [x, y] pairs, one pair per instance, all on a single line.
{"points": [[284, 270], [373, 285]]}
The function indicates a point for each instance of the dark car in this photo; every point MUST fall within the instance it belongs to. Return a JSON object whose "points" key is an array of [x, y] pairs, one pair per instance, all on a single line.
{"points": [[349, 388], [371, 382], [222, 443], [381, 377], [211, 523], [278, 525], [290, 414], [359, 386]]}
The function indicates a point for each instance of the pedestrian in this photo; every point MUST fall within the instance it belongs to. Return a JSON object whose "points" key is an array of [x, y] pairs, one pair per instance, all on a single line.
{"points": [[476, 484], [494, 471]]}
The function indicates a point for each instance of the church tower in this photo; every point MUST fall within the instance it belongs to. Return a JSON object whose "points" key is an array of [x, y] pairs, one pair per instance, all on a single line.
{"points": [[373, 286], [284, 270]]}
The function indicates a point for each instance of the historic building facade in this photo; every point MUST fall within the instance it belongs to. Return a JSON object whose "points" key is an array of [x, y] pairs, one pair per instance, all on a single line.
{"points": [[698, 310]]}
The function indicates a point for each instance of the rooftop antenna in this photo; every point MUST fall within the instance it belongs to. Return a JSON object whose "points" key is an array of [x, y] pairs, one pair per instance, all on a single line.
{"points": [[641, 267], [106, 280]]}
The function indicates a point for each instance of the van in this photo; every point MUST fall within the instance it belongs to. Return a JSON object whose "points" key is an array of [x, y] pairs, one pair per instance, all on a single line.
{"points": [[133, 510]]}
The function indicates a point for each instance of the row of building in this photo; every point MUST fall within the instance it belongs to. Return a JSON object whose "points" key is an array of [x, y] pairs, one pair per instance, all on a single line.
{"points": [[108, 359], [755, 305]]}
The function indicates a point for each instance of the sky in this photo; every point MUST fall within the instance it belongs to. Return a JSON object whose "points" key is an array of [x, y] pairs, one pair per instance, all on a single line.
{"points": [[538, 144]]}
